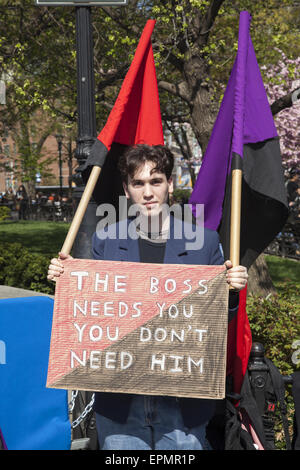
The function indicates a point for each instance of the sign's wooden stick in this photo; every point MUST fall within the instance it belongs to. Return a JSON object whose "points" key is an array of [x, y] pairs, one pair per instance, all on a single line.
{"points": [[79, 214]]}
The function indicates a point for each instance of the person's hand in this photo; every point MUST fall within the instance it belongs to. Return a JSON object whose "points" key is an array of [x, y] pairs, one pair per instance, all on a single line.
{"points": [[236, 277], [56, 267]]}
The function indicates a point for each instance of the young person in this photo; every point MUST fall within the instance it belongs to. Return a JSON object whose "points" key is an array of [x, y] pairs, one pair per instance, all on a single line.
{"points": [[138, 422]]}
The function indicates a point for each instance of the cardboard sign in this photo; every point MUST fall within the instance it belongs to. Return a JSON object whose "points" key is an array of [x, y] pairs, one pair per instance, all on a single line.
{"points": [[153, 329]]}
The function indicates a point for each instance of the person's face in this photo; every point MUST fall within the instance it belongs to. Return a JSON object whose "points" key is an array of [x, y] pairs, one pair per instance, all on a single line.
{"points": [[148, 190]]}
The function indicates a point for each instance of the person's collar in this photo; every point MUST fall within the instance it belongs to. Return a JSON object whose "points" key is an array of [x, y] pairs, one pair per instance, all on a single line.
{"points": [[153, 229]]}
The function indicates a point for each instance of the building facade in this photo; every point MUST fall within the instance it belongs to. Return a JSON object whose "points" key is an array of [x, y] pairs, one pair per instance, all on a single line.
{"points": [[10, 164]]}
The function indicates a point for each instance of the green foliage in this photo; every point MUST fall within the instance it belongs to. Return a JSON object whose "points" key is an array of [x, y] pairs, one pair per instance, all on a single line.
{"points": [[275, 323], [22, 269], [194, 45], [181, 195], [274, 23], [37, 76], [4, 213]]}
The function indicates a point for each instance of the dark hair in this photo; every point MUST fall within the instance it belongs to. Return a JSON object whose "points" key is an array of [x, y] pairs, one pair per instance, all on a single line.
{"points": [[294, 172], [138, 155], [22, 188]]}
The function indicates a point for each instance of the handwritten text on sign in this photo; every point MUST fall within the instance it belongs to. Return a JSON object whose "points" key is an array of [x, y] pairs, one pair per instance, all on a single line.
{"points": [[140, 328]]}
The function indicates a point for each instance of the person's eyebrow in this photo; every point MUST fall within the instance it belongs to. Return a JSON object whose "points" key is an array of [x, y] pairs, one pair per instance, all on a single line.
{"points": [[136, 180]]}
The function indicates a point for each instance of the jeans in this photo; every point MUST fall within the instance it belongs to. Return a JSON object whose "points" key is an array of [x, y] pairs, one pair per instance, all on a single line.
{"points": [[154, 423]]}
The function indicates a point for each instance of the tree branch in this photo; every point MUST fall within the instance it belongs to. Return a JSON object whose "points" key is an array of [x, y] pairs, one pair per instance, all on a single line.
{"points": [[176, 90], [108, 105], [44, 137], [170, 57], [211, 14], [111, 77], [70, 117], [285, 101], [117, 17], [170, 118]]}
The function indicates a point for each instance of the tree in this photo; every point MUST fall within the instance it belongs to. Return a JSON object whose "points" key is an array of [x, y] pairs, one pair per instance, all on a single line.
{"points": [[27, 112], [194, 42], [281, 86], [38, 63]]}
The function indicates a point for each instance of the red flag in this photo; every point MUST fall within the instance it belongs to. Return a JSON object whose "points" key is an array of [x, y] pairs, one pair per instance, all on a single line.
{"points": [[239, 343], [134, 119]]}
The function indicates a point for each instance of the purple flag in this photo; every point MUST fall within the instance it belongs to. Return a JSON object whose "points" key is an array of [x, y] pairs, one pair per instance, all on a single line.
{"points": [[244, 127], [244, 136]]}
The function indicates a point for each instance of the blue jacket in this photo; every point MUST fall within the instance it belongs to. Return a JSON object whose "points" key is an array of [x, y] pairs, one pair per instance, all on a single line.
{"points": [[116, 405]]}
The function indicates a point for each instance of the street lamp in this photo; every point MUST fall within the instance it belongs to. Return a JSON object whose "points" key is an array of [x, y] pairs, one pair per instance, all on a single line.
{"points": [[87, 134], [59, 139]]}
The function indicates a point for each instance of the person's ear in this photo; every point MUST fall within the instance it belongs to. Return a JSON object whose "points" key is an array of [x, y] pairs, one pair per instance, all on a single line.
{"points": [[125, 187]]}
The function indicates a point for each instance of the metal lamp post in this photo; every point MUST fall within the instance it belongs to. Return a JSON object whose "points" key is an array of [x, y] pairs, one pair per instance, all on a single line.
{"points": [[59, 139], [86, 110], [86, 126]]}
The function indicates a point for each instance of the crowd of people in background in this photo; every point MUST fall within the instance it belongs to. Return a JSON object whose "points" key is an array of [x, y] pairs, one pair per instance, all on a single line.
{"points": [[19, 201], [287, 242], [293, 193]]}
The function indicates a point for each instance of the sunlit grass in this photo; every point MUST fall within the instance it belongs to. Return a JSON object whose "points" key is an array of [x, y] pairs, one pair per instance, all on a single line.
{"points": [[48, 237], [283, 270], [39, 237]]}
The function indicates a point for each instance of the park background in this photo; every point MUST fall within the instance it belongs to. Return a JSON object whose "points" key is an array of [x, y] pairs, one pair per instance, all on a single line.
{"points": [[194, 45]]}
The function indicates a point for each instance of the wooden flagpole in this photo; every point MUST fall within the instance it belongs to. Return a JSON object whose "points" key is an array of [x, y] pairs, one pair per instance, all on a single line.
{"points": [[235, 214], [79, 214], [238, 137]]}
